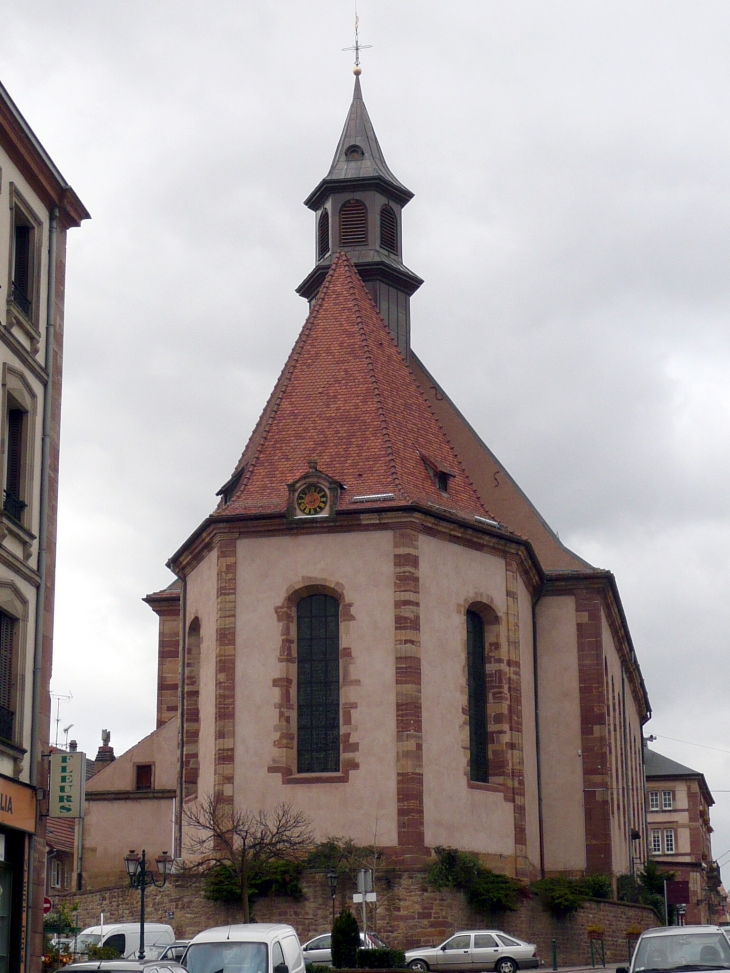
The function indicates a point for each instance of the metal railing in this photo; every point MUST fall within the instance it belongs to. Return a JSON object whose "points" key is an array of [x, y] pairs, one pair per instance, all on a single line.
{"points": [[13, 506], [21, 299]]}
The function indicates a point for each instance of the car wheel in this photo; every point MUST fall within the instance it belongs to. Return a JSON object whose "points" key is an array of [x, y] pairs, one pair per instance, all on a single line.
{"points": [[506, 966], [418, 964]]}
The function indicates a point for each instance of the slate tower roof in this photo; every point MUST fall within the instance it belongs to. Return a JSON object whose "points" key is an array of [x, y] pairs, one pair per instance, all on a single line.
{"points": [[347, 399]]}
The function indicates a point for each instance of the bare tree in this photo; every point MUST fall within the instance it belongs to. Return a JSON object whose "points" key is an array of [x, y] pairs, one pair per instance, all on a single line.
{"points": [[244, 841]]}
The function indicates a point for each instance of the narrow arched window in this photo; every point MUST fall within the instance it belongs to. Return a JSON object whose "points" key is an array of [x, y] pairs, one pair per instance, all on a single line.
{"points": [[354, 224], [191, 711], [318, 685], [323, 235], [388, 229], [477, 676]]}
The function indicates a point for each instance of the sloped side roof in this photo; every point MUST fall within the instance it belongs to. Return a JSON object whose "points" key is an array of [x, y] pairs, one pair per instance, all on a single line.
{"points": [[496, 488], [347, 399]]}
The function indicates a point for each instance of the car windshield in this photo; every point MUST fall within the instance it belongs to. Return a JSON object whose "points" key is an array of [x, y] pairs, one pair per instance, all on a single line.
{"points": [[227, 957], [692, 951], [85, 940]]}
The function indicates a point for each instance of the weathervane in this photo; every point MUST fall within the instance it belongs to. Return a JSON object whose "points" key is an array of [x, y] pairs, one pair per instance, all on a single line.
{"points": [[357, 46]]}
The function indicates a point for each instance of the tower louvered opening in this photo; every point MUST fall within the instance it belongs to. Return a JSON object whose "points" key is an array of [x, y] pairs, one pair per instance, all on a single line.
{"points": [[388, 229], [323, 235], [354, 224]]}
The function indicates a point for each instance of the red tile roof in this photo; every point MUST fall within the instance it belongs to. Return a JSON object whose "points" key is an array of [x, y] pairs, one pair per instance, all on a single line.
{"points": [[61, 834], [347, 399]]}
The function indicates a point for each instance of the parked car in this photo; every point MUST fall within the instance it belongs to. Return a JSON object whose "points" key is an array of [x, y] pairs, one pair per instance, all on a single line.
{"points": [[123, 966], [124, 937], [175, 950], [256, 947], [477, 949], [319, 949], [680, 948]]}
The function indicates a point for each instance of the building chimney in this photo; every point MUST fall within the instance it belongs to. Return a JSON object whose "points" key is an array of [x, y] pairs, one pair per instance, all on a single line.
{"points": [[73, 746], [105, 753]]}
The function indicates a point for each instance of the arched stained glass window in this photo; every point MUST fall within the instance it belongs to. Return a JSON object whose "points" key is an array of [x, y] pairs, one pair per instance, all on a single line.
{"points": [[477, 675], [318, 685], [354, 224]]}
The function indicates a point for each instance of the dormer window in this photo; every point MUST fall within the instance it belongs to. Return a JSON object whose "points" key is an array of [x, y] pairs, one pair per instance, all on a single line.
{"points": [[229, 487], [323, 235], [388, 229], [354, 224], [353, 153], [438, 474]]}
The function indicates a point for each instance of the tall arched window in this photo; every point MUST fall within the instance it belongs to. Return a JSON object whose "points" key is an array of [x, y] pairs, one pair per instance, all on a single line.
{"points": [[388, 229], [191, 731], [477, 677], [354, 224], [323, 235], [318, 685]]}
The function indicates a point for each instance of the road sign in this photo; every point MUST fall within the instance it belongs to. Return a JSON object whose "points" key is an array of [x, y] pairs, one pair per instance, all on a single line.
{"points": [[365, 880], [47, 906], [369, 897]]}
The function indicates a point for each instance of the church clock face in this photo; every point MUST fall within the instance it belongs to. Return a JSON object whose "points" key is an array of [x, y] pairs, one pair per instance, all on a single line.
{"points": [[311, 499]]}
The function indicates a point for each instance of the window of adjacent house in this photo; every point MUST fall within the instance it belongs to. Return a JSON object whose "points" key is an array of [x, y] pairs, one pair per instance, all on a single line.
{"points": [[323, 235], [669, 841], [667, 800], [56, 873], [23, 264], [653, 800], [388, 229], [318, 685], [477, 678], [143, 777], [353, 224], [7, 639], [656, 841], [13, 503]]}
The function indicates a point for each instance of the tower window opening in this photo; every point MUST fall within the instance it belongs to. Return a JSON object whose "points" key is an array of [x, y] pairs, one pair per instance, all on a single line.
{"points": [[354, 224], [353, 153], [323, 235], [388, 229]]}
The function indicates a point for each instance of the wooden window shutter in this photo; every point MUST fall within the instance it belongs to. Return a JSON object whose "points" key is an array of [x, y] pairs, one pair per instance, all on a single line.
{"points": [[388, 229], [21, 266], [15, 452], [323, 235], [354, 224], [7, 627]]}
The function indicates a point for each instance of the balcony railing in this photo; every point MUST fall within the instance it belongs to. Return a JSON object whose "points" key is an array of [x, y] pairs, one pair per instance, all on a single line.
{"points": [[13, 506], [6, 724], [21, 299]]}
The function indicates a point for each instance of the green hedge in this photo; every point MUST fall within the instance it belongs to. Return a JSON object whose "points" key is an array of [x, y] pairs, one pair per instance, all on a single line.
{"points": [[381, 959]]}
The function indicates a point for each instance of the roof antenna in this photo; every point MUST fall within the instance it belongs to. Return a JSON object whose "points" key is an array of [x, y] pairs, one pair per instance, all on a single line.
{"points": [[357, 46]]}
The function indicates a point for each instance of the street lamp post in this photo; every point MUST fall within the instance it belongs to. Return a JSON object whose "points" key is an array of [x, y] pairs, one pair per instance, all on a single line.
{"points": [[332, 882], [140, 877]]}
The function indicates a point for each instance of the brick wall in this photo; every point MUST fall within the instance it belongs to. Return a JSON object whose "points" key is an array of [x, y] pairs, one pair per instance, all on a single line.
{"points": [[409, 913]]}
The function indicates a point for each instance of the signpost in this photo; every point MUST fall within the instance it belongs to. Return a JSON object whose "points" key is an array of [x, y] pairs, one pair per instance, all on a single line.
{"points": [[47, 906], [364, 893], [68, 785]]}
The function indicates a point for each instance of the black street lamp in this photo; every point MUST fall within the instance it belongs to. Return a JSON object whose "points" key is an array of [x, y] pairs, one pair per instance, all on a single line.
{"points": [[332, 882], [140, 877]]}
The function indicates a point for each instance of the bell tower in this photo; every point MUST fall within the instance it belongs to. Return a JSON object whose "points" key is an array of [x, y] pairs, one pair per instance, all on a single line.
{"points": [[358, 208]]}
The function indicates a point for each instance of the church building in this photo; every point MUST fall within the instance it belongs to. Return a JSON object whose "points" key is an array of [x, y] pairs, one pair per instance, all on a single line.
{"points": [[375, 624]]}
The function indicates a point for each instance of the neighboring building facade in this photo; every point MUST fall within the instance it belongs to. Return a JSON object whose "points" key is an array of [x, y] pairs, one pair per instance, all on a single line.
{"points": [[376, 614], [678, 803], [37, 208]]}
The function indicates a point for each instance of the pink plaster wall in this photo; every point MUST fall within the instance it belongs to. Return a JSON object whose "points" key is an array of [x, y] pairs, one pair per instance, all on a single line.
{"points": [[529, 738], [456, 815], [560, 735]]}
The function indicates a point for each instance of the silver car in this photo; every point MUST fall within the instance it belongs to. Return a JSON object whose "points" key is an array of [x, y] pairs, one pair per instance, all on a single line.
{"points": [[668, 948], [319, 949], [476, 949]]}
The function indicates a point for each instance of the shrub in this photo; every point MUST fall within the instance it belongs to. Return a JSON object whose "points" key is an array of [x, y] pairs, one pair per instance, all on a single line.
{"points": [[345, 941], [559, 896], [381, 959], [274, 878], [628, 889], [484, 889], [103, 952], [596, 886]]}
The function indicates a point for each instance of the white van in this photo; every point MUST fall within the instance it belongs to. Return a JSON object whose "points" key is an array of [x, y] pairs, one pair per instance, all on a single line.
{"points": [[255, 947], [124, 937]]}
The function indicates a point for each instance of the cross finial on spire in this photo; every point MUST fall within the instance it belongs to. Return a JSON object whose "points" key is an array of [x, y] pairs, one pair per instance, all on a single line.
{"points": [[357, 46]]}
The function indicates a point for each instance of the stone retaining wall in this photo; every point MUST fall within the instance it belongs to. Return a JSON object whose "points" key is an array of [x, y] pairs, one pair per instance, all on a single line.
{"points": [[408, 913]]}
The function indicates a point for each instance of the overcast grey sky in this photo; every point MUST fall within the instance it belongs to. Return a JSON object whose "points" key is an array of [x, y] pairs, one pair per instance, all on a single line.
{"points": [[571, 221]]}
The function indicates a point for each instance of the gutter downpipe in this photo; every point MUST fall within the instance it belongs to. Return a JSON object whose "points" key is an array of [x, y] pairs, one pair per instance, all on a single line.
{"points": [[177, 853], [536, 684], [42, 550]]}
